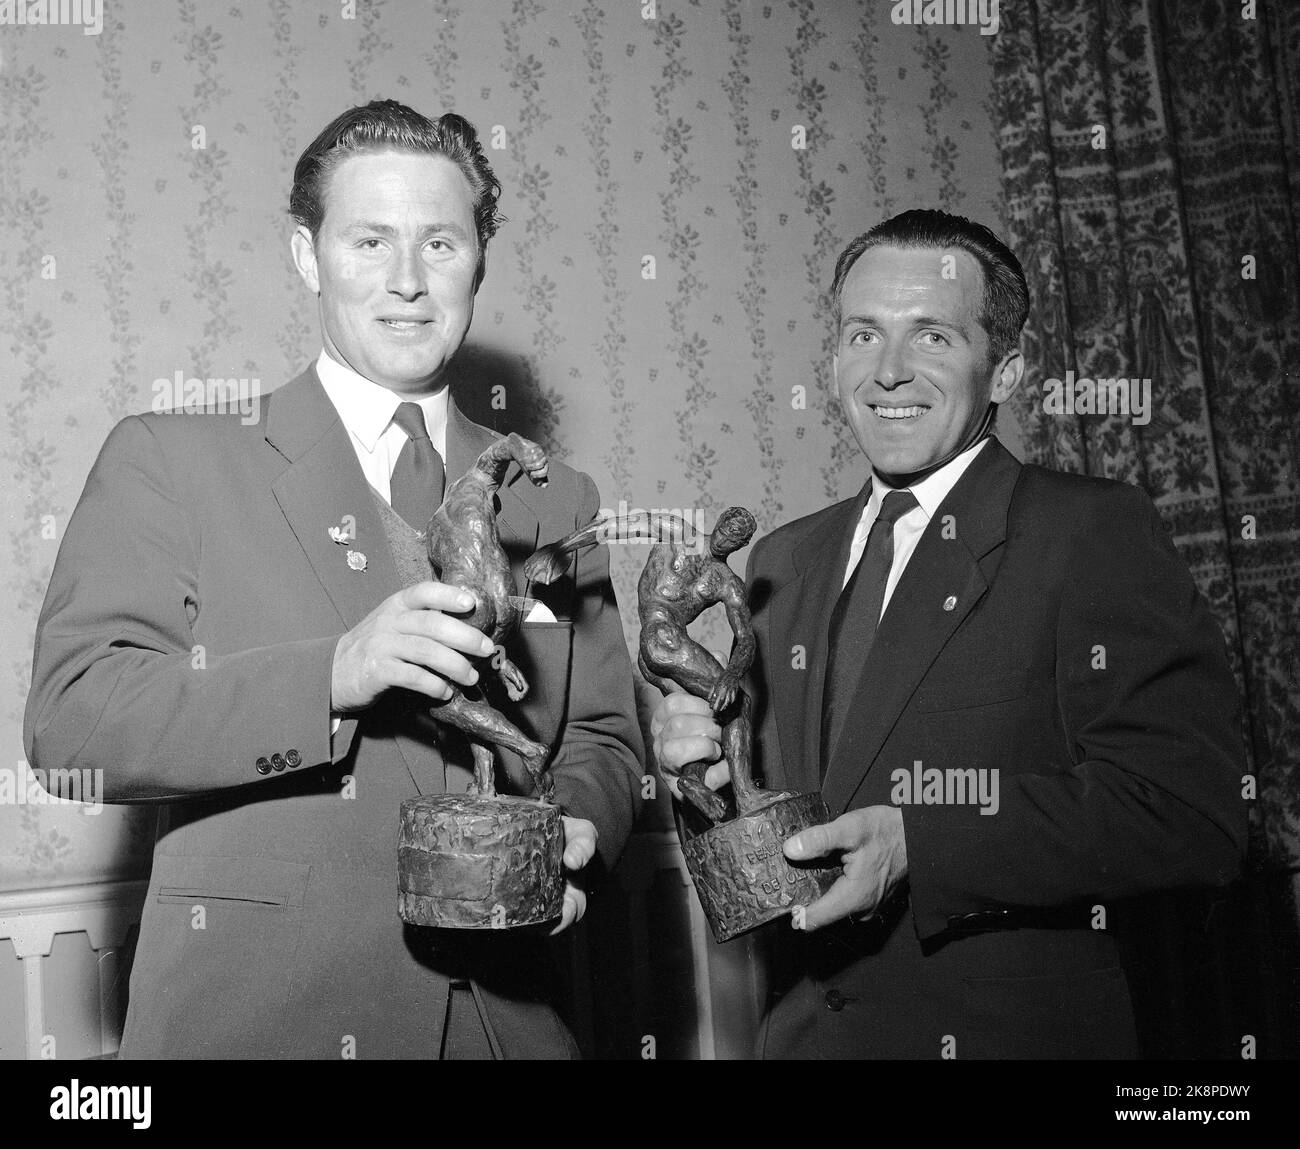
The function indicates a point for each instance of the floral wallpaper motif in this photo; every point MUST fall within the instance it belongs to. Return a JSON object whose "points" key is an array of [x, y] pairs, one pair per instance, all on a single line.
{"points": [[144, 231], [113, 151], [812, 104], [534, 186], [282, 105], [932, 47], [761, 404]]}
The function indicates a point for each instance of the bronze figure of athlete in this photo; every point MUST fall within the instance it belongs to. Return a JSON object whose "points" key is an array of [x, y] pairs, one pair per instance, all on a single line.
{"points": [[677, 586], [465, 550]]}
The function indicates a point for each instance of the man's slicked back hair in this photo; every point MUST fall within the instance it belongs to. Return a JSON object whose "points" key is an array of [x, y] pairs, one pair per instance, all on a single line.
{"points": [[387, 126], [1005, 305]]}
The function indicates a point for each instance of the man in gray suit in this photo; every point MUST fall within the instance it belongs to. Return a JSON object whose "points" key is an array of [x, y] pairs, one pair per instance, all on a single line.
{"points": [[225, 632]]}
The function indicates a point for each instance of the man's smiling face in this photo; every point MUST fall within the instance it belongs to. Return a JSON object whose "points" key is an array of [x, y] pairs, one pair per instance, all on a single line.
{"points": [[912, 360], [395, 262]]}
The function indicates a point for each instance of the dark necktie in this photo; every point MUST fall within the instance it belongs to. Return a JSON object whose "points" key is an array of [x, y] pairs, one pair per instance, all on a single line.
{"points": [[417, 484], [854, 619]]}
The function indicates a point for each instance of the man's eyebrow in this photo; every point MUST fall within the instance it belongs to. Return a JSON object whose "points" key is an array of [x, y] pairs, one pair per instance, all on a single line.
{"points": [[934, 321], [366, 225], [919, 321], [867, 320], [370, 227]]}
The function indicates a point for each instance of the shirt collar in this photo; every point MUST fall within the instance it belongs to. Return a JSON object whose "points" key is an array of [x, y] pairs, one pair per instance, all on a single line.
{"points": [[367, 409], [930, 491]]}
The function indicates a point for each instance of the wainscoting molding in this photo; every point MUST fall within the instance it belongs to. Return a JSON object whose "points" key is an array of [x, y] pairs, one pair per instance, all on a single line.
{"points": [[66, 943]]}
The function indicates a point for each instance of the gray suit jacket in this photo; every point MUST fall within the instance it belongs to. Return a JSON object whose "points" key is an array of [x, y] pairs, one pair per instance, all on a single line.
{"points": [[186, 645]]}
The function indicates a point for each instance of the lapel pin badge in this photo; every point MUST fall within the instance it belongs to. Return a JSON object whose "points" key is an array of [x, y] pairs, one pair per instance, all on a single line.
{"points": [[950, 602], [356, 560], [346, 531]]}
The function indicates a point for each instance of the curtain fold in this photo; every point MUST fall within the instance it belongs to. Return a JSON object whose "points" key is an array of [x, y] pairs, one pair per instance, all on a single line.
{"points": [[1151, 184], [1150, 170]]}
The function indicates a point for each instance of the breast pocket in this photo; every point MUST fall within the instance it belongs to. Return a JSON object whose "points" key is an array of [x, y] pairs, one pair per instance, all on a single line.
{"points": [[218, 948], [950, 692], [255, 882]]}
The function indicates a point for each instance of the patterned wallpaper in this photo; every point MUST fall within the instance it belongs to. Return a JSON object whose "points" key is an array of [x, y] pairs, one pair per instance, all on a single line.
{"points": [[679, 177]]}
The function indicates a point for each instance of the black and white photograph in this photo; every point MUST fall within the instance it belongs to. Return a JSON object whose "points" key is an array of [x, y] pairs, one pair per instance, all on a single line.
{"points": [[652, 530]]}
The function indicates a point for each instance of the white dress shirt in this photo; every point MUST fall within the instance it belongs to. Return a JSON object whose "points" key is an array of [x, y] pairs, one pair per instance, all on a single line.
{"points": [[929, 493], [367, 412]]}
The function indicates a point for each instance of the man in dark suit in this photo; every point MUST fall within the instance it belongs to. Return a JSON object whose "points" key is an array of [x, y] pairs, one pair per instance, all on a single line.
{"points": [[1003, 680], [226, 632]]}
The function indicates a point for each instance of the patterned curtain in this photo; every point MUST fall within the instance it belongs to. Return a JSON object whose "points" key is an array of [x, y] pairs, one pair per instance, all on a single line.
{"points": [[1151, 181]]}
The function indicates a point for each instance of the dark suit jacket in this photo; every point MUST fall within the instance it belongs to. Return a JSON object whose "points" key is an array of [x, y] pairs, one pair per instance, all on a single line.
{"points": [[188, 636], [1057, 639]]}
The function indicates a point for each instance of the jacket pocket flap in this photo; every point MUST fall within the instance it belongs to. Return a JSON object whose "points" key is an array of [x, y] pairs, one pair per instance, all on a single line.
{"points": [[970, 692], [262, 881]]}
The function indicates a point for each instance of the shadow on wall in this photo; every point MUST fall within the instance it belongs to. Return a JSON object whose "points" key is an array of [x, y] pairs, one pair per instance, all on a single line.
{"points": [[495, 388]]}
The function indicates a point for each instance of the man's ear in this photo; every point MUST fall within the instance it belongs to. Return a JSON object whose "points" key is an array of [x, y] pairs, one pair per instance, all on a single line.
{"points": [[304, 258], [1009, 375], [481, 270]]}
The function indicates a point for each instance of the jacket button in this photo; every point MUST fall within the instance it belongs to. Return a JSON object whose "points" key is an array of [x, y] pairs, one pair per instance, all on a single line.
{"points": [[292, 759], [835, 1000], [277, 761], [263, 765]]}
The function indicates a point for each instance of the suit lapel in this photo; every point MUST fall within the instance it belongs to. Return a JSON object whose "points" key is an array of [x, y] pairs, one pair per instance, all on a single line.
{"points": [[800, 617], [324, 484], [324, 487], [941, 585]]}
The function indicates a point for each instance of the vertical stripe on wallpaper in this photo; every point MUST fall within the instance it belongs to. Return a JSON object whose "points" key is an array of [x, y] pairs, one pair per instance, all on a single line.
{"points": [[28, 444], [112, 149], [296, 336], [866, 45], [604, 237], [210, 276], [934, 52], [818, 198], [371, 45], [681, 243], [441, 59], [531, 184], [760, 402]]}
